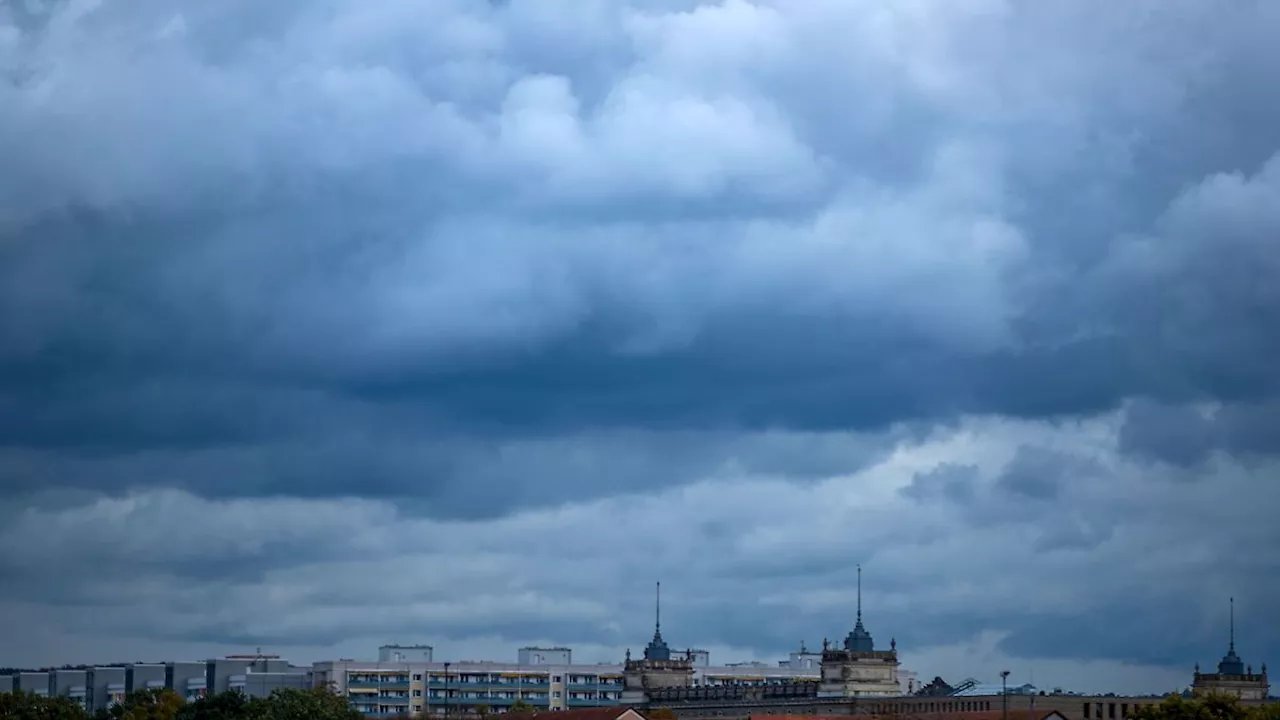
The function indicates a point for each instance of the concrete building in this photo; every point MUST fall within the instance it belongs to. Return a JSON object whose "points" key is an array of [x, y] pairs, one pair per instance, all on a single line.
{"points": [[71, 684], [1233, 676], [105, 686], [101, 687], [188, 679], [405, 653], [144, 677], [547, 678], [562, 656], [32, 682], [390, 688]]}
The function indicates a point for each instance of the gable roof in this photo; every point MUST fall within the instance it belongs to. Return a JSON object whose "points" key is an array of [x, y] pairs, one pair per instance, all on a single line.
{"points": [[602, 713]]}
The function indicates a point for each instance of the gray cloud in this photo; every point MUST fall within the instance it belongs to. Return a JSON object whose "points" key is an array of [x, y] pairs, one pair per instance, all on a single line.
{"points": [[443, 300], [948, 481]]}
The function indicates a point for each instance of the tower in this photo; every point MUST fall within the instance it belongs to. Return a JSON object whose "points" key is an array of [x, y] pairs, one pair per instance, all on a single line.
{"points": [[657, 670], [857, 669], [657, 648], [1233, 677]]}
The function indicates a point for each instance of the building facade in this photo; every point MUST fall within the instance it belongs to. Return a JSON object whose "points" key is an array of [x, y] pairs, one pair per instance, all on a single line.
{"points": [[99, 688], [1233, 677], [385, 689]]}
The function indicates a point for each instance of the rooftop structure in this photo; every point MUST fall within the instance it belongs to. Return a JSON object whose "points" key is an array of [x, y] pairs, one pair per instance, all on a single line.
{"points": [[1233, 676]]}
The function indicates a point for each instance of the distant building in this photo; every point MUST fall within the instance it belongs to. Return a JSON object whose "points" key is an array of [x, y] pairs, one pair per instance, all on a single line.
{"points": [[857, 669], [544, 656], [104, 687], [32, 682], [71, 684], [100, 688], [1233, 677], [405, 653]]}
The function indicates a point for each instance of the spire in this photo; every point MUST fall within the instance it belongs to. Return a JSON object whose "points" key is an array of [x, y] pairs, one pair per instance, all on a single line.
{"points": [[859, 593], [859, 640], [657, 610], [1232, 646], [657, 648], [1231, 663]]}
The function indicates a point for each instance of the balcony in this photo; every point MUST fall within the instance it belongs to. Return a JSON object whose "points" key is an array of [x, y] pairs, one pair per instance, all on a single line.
{"points": [[379, 684]]}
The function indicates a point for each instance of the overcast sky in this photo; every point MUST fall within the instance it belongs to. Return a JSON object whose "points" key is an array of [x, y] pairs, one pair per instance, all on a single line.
{"points": [[329, 324]]}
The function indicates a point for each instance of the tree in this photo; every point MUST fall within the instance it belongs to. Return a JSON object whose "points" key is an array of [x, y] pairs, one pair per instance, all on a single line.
{"points": [[520, 706], [222, 706], [482, 710], [662, 713], [1210, 707], [150, 704], [1269, 711], [311, 704], [29, 706]]}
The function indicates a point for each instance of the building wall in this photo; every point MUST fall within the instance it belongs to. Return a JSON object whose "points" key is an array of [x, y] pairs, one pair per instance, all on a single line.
{"points": [[105, 686], [72, 684], [144, 677], [188, 679], [562, 656], [263, 684], [32, 682], [101, 687], [379, 688], [406, 653]]}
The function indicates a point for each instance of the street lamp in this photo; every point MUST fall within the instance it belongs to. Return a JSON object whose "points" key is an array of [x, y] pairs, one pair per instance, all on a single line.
{"points": [[1004, 695]]}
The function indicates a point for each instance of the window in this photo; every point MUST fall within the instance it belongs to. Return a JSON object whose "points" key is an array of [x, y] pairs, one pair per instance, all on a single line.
{"points": [[417, 676], [555, 694], [557, 678]]}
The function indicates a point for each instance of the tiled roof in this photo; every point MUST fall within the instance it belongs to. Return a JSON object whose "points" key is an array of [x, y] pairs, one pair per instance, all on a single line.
{"points": [[1014, 714], [604, 713], [996, 714]]}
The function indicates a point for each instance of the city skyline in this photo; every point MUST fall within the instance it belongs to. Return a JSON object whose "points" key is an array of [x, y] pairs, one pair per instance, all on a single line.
{"points": [[327, 325]]}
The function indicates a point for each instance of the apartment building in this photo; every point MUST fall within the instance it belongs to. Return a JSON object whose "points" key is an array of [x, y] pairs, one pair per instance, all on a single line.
{"points": [[102, 687], [544, 678]]}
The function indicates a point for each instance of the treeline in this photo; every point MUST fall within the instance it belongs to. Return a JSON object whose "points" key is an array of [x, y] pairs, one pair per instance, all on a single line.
{"points": [[315, 704], [1213, 707]]}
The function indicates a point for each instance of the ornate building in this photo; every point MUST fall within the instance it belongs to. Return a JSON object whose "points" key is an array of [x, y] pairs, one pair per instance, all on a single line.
{"points": [[1233, 677], [657, 671], [855, 670], [858, 669]]}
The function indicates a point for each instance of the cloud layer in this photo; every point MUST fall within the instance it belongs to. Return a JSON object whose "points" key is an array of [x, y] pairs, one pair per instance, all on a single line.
{"points": [[325, 324]]}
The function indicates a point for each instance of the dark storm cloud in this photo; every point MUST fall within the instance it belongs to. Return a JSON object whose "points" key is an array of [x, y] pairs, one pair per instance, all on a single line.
{"points": [[1037, 473], [496, 266], [1186, 437]]}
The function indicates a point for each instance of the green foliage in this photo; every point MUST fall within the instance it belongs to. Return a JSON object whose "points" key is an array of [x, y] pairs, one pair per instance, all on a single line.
{"points": [[314, 704], [29, 706], [521, 706], [661, 713], [1211, 707], [155, 704]]}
